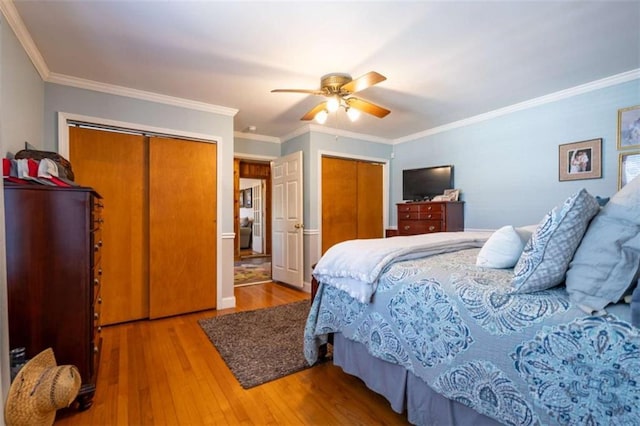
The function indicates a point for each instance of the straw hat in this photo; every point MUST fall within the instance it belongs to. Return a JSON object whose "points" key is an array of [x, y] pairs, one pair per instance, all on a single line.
{"points": [[39, 389]]}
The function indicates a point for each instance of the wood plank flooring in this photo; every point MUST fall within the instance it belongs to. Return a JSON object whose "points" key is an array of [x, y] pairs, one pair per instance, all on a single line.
{"points": [[167, 372]]}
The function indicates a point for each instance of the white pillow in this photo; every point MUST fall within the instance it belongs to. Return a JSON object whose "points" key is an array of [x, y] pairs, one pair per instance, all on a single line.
{"points": [[503, 248]]}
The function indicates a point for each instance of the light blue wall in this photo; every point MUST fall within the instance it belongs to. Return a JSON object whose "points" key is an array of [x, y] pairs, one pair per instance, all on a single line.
{"points": [[507, 167], [21, 98], [256, 148]]}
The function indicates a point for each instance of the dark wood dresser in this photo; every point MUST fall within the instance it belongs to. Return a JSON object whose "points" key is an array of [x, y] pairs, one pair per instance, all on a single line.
{"points": [[53, 239], [430, 216]]}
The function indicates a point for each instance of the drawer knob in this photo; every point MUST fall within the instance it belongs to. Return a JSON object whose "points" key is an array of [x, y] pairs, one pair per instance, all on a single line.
{"points": [[100, 329], [407, 227], [407, 216], [96, 281], [96, 315], [96, 247], [100, 271], [99, 300], [428, 207], [431, 228], [95, 349], [428, 216]]}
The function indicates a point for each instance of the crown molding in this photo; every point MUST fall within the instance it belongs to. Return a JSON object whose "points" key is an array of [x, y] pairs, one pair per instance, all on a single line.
{"points": [[306, 128], [248, 156], [552, 97], [17, 25], [334, 132], [256, 137], [112, 89], [347, 134]]}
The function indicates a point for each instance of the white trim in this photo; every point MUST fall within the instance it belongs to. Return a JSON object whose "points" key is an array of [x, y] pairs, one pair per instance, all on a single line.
{"points": [[20, 30], [63, 149], [245, 156], [531, 103], [256, 137], [65, 117], [311, 232], [347, 134], [139, 94], [298, 132], [307, 128], [385, 187], [226, 303]]}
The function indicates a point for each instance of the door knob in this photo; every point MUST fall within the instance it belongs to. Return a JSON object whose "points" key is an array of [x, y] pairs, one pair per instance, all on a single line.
{"points": [[298, 226]]}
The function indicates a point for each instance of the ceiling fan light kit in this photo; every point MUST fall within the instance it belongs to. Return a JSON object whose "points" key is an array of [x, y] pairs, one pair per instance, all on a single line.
{"points": [[339, 88]]}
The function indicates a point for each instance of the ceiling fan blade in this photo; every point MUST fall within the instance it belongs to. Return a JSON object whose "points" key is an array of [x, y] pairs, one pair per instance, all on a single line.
{"points": [[311, 114], [362, 82], [367, 107], [312, 92]]}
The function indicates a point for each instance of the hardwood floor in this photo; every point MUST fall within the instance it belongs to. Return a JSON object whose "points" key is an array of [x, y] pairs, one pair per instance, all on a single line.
{"points": [[167, 372]]}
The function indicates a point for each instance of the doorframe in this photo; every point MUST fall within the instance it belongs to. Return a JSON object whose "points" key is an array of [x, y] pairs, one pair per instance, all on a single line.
{"points": [[259, 159], [385, 186], [63, 149]]}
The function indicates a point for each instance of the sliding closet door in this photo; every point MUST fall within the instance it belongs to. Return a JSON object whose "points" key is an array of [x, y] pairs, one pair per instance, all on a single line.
{"points": [[369, 200], [351, 200], [339, 201], [182, 226], [114, 165]]}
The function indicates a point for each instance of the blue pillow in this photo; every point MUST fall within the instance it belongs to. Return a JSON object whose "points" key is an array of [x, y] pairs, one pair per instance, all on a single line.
{"points": [[602, 200], [546, 256], [607, 262]]}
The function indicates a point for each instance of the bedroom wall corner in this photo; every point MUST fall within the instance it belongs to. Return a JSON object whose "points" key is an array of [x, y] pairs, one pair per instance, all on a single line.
{"points": [[21, 103]]}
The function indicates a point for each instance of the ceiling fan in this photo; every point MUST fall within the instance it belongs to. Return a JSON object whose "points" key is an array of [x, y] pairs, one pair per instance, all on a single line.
{"points": [[339, 89]]}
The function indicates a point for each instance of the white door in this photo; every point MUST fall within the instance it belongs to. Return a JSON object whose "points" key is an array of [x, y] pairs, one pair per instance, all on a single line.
{"points": [[287, 247], [258, 218]]}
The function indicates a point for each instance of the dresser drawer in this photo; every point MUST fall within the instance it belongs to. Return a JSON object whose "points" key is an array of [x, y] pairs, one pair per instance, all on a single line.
{"points": [[409, 215], [431, 208], [412, 227], [430, 215], [408, 208]]}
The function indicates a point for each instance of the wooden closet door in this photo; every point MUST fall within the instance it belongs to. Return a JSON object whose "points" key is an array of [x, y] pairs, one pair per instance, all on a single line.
{"points": [[114, 165], [369, 200], [339, 201], [182, 226]]}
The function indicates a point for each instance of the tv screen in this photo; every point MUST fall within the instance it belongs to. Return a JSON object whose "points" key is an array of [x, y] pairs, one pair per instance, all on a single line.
{"points": [[425, 183]]}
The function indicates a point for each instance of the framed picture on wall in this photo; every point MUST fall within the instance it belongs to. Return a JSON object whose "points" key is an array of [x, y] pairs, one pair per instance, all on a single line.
{"points": [[580, 160], [629, 127], [247, 198], [628, 167], [241, 198]]}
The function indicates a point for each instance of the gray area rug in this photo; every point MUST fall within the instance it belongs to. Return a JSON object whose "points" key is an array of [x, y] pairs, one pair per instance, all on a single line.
{"points": [[262, 345]]}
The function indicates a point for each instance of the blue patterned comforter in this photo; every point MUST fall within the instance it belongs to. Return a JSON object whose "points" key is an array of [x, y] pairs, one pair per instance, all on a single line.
{"points": [[525, 359]]}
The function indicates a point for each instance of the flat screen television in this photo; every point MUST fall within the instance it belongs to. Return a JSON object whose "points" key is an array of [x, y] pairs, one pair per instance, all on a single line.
{"points": [[427, 182]]}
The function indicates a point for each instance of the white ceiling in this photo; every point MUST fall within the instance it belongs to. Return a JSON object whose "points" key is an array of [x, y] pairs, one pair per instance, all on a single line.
{"points": [[444, 61]]}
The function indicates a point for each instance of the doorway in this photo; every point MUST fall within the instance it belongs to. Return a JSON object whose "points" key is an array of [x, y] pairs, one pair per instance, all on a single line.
{"points": [[252, 218], [252, 185]]}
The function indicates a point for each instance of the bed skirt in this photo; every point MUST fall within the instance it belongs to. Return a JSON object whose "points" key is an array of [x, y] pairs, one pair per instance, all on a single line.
{"points": [[403, 389]]}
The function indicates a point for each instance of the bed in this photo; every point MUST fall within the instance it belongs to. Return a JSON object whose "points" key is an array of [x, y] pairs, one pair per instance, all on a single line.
{"points": [[446, 332]]}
